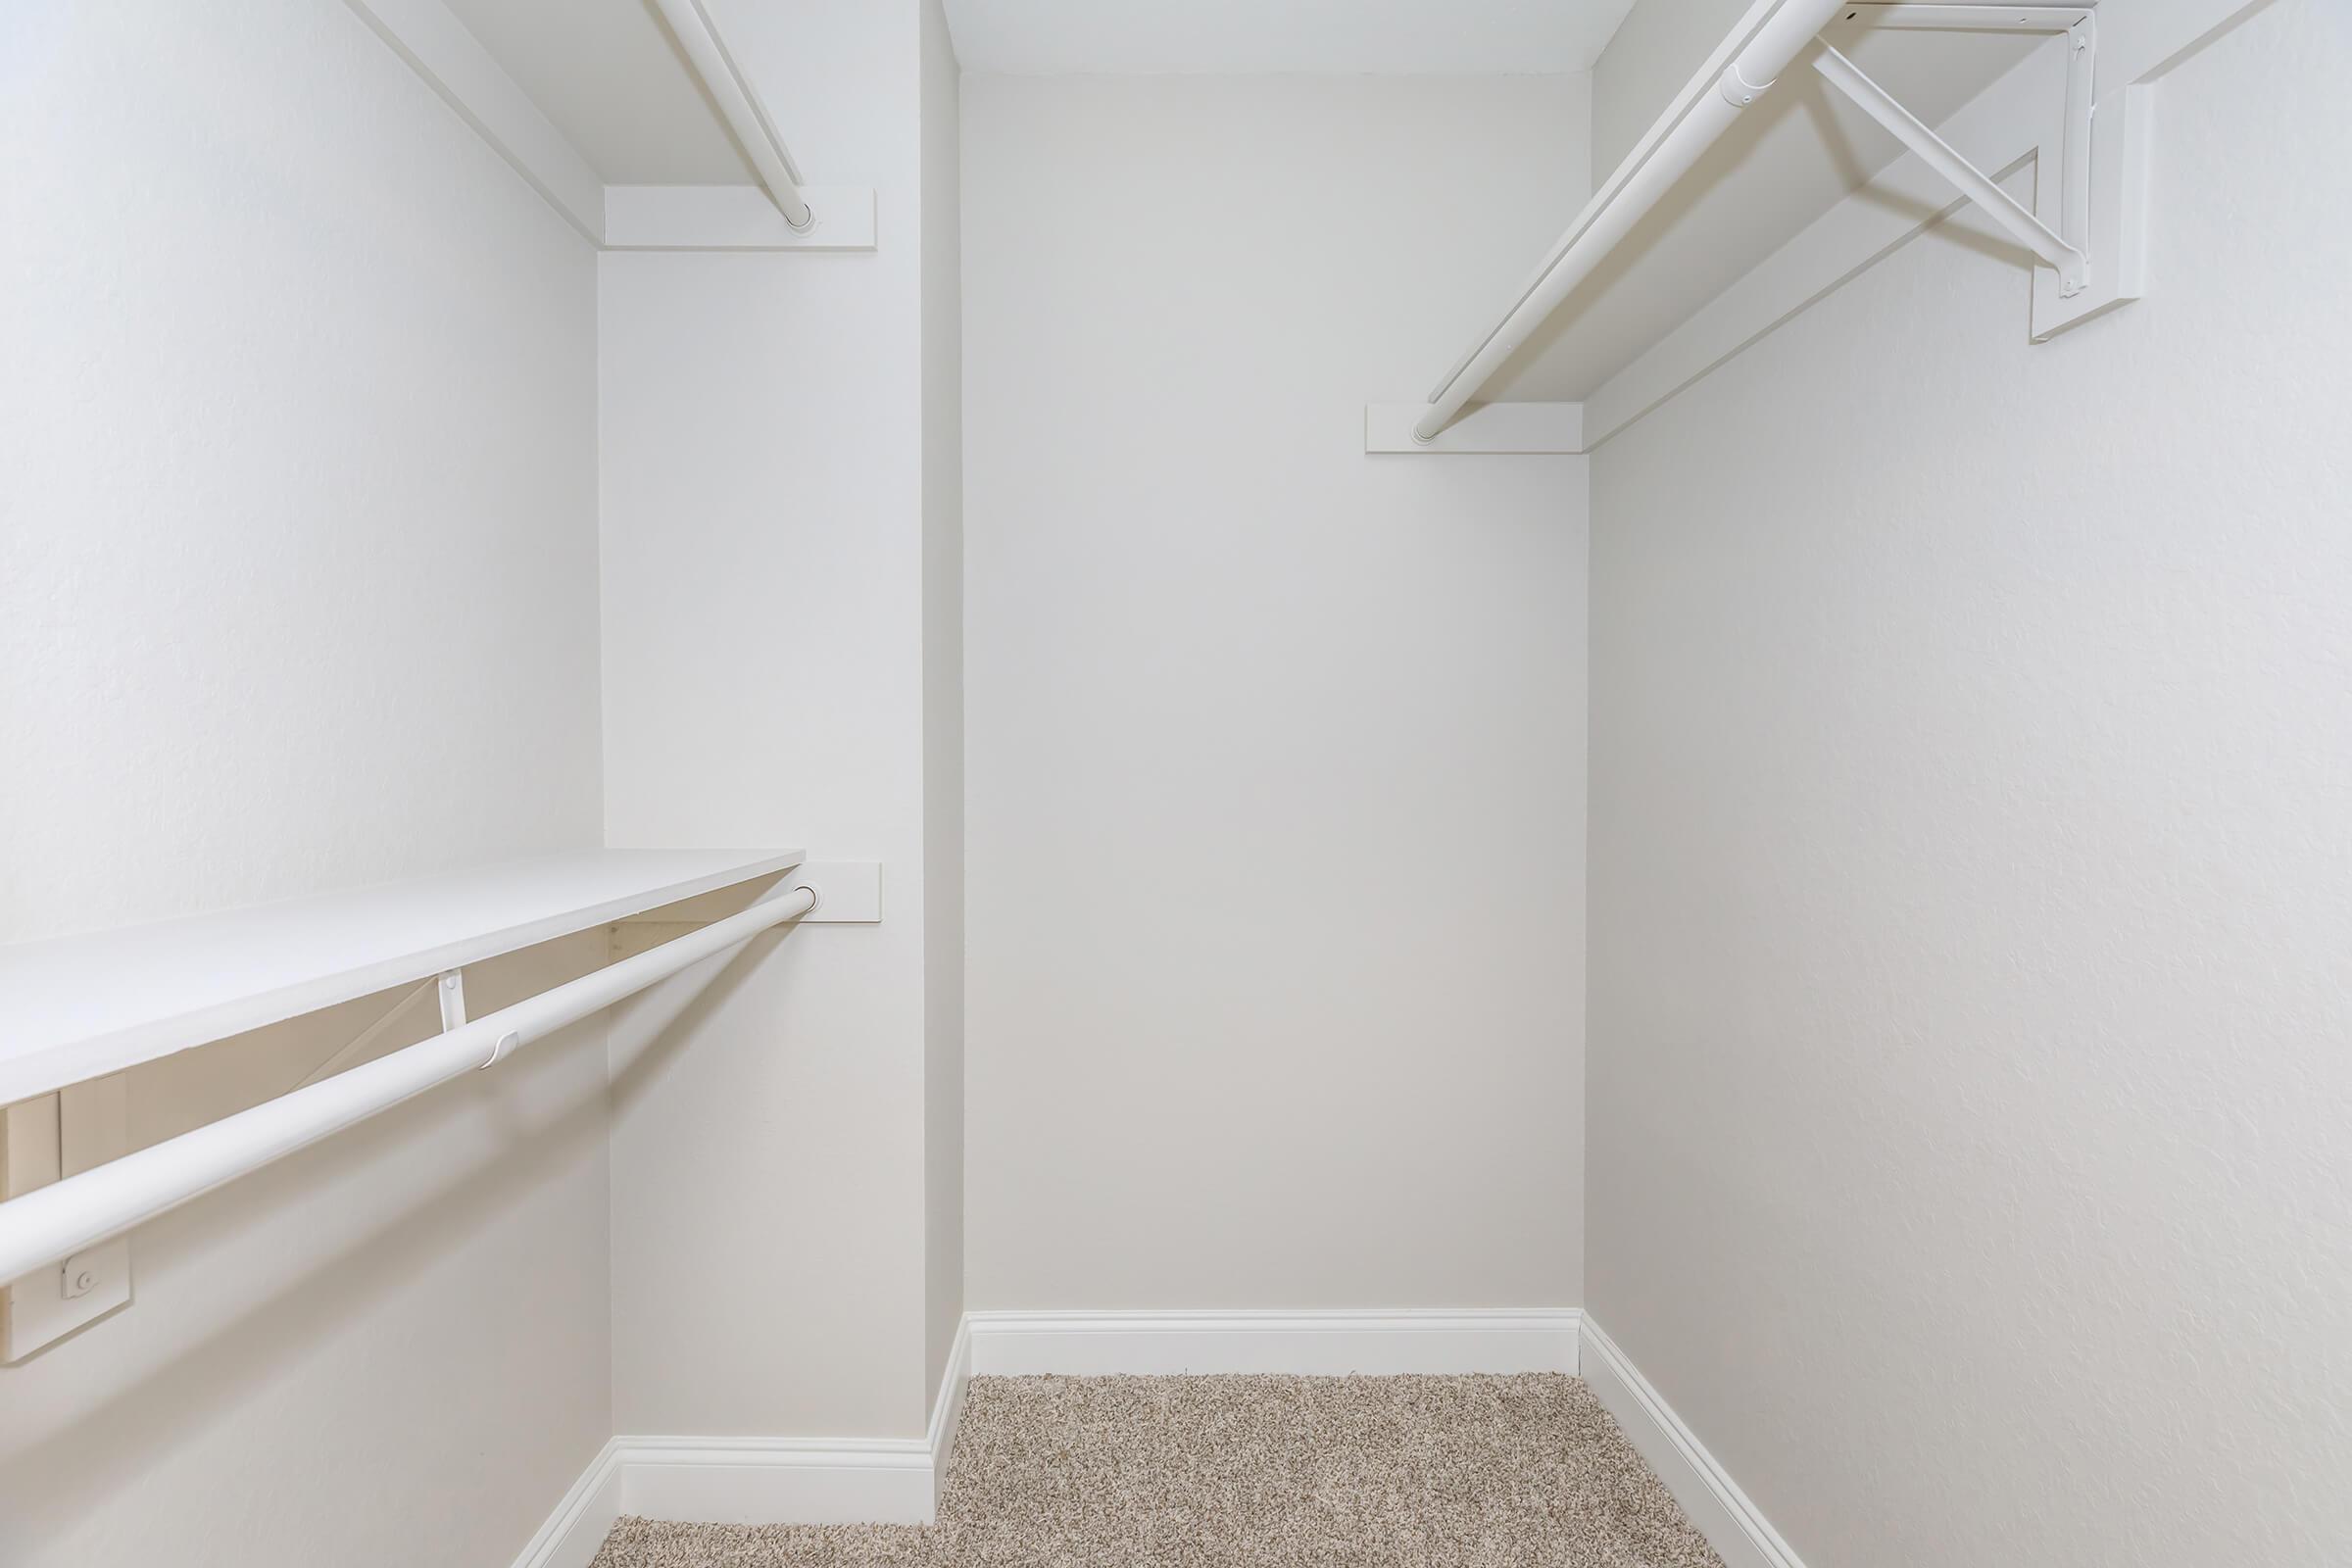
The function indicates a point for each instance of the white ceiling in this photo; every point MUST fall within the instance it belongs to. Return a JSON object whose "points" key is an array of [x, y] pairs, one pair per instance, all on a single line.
{"points": [[1347, 37], [610, 75]]}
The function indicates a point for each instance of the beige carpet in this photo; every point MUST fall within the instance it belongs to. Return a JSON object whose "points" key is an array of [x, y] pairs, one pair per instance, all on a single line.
{"points": [[1239, 1472]]}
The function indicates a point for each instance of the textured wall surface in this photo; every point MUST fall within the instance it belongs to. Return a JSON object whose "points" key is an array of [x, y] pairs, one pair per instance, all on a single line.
{"points": [[1277, 750], [1972, 884], [298, 589]]}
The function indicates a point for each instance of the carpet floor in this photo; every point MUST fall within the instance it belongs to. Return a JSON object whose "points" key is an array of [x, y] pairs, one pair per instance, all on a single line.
{"points": [[1249, 1472]]}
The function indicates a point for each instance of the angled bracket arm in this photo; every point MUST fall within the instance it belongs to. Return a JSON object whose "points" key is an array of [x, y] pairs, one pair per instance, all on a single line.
{"points": [[361, 1044], [2068, 256], [449, 988]]}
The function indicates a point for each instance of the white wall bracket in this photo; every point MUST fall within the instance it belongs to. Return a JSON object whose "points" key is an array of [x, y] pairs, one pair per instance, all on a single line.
{"points": [[848, 891], [2087, 225], [2116, 177], [42, 1142], [452, 990]]}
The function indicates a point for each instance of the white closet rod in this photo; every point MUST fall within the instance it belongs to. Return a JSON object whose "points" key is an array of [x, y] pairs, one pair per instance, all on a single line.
{"points": [[733, 91], [1775, 31], [66, 1217]]}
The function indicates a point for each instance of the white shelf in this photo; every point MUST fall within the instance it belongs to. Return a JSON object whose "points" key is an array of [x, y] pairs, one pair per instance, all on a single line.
{"points": [[1782, 165], [80, 1008]]}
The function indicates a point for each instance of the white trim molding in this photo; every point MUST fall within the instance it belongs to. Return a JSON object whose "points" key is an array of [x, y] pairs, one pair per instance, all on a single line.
{"points": [[897, 1480], [769, 1481], [577, 1528], [759, 1481], [947, 1409], [1734, 1526], [438, 47], [1307, 1344]]}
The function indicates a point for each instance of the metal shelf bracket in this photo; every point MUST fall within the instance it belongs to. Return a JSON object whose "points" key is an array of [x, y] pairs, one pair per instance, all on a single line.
{"points": [[2088, 226]]}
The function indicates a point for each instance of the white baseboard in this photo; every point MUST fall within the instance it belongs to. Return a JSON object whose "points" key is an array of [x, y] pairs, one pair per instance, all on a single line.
{"points": [[1737, 1529], [897, 1480], [947, 1409], [577, 1528], [771, 1481], [759, 1481], [1305, 1344]]}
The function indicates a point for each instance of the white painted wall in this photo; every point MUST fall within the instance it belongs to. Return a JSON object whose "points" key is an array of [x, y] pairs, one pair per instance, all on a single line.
{"points": [[768, 681], [298, 589], [1969, 864], [1276, 749], [296, 425]]}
